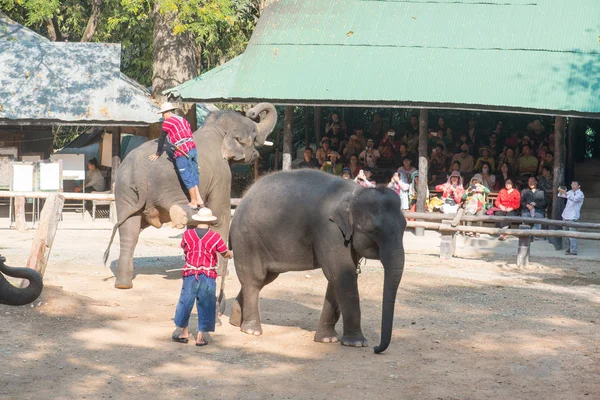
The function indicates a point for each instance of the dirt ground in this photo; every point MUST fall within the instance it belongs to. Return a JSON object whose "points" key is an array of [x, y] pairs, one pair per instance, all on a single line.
{"points": [[465, 329]]}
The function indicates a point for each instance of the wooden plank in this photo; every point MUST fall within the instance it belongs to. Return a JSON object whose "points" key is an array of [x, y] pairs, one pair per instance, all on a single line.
{"points": [[20, 222], [287, 138], [423, 162], [44, 237], [511, 232], [448, 241]]}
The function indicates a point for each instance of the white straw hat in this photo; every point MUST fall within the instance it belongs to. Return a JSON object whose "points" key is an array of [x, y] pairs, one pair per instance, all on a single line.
{"points": [[167, 106], [204, 215]]}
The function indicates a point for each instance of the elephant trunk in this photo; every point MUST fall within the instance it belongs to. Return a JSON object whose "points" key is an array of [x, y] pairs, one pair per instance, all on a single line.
{"points": [[266, 124], [393, 264], [14, 296]]}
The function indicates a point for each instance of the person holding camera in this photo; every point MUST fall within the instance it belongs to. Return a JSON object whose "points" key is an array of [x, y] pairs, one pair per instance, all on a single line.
{"points": [[452, 192], [324, 150], [572, 211], [370, 155], [475, 199], [363, 178], [332, 166], [400, 184], [386, 146]]}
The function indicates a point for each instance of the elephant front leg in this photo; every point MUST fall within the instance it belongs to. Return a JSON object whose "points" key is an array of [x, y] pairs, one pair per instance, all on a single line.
{"points": [[129, 233], [346, 286], [329, 317]]}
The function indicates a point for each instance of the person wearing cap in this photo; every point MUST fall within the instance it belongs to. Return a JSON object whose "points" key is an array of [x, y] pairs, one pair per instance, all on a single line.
{"points": [[485, 155], [180, 134], [475, 198], [346, 174], [332, 166], [200, 246], [452, 192], [324, 150]]}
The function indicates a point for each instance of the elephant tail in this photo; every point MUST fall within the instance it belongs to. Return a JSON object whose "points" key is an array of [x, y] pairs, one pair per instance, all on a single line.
{"points": [[137, 207]]}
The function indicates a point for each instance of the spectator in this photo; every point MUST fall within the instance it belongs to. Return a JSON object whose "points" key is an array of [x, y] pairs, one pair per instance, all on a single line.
{"points": [[346, 174], [504, 172], [412, 134], [437, 162], [487, 178], [537, 131], [336, 132], [455, 166], [463, 139], [508, 156], [475, 199], [548, 161], [360, 137], [499, 131], [528, 164], [533, 201], [494, 146], [402, 154], [545, 180], [335, 119], [508, 203], [336, 145], [452, 192], [407, 167], [526, 141], [513, 141], [386, 146], [370, 155], [332, 166], [323, 152], [376, 129], [363, 178], [353, 165], [465, 159], [473, 133], [572, 211], [400, 184], [542, 150], [443, 128], [485, 156], [353, 148], [309, 161]]}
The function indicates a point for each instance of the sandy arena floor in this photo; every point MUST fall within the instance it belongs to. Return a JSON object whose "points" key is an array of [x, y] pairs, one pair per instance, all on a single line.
{"points": [[465, 329]]}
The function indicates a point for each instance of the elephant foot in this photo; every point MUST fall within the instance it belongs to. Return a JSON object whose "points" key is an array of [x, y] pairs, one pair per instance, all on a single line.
{"points": [[355, 341], [329, 336], [236, 314], [251, 328], [123, 284]]}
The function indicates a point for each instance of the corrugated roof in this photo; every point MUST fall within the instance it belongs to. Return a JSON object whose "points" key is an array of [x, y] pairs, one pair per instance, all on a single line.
{"points": [[538, 56], [70, 83]]}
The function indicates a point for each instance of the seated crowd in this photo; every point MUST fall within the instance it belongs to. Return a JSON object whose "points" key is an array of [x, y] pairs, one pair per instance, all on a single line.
{"points": [[490, 160]]}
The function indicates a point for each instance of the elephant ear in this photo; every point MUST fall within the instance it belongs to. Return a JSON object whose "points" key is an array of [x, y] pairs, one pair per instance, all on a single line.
{"points": [[231, 149], [342, 217]]}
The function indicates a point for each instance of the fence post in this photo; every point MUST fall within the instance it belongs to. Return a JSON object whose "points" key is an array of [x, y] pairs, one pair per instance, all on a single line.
{"points": [[448, 242], [20, 221], [524, 246]]}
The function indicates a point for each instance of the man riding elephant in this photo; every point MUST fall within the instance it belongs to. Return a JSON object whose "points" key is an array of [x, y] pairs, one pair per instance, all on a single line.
{"points": [[149, 193]]}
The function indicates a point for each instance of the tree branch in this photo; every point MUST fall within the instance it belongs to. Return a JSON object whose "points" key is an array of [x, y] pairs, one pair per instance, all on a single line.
{"points": [[92, 24]]}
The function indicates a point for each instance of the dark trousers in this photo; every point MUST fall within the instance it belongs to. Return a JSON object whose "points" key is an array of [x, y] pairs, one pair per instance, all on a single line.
{"points": [[501, 213]]}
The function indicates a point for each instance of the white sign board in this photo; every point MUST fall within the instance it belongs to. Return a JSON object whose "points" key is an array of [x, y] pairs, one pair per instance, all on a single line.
{"points": [[50, 176], [73, 165], [22, 178]]}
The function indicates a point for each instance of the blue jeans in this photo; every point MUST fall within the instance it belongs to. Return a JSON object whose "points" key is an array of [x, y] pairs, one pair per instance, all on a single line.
{"points": [[203, 291], [188, 169], [572, 241], [538, 214]]}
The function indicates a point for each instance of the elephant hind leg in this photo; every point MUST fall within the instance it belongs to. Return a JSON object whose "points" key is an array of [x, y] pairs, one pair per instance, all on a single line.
{"points": [[247, 301], [236, 310], [330, 315], [129, 233]]}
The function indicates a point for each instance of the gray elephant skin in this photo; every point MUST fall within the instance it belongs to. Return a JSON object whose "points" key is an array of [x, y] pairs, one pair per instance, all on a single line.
{"points": [[149, 193], [14, 296], [305, 219]]}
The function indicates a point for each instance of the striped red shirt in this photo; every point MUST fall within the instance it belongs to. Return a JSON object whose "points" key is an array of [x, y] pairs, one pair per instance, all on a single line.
{"points": [[180, 133], [201, 252]]}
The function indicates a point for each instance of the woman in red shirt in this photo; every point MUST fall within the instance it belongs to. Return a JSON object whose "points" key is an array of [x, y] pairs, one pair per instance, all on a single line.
{"points": [[508, 202]]}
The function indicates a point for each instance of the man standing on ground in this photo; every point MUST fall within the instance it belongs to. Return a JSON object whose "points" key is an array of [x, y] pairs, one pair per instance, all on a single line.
{"points": [[572, 211]]}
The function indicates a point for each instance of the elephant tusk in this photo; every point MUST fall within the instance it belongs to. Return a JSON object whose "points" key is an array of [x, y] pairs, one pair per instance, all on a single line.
{"points": [[268, 143]]}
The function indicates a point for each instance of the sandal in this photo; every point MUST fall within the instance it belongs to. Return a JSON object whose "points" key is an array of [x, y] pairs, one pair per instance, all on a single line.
{"points": [[180, 339], [202, 343]]}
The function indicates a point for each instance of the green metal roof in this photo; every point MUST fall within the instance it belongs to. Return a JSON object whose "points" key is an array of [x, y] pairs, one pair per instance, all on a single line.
{"points": [[537, 56]]}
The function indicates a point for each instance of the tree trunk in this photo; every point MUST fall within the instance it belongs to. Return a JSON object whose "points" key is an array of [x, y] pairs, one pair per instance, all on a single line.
{"points": [[287, 138], [572, 131], [559, 165], [53, 30], [422, 194], [92, 24]]}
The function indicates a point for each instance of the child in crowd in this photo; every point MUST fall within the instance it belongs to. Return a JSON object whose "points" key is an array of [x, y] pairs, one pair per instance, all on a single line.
{"points": [[200, 245]]}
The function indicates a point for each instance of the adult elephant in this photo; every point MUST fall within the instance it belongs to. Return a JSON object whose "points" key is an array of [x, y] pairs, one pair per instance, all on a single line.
{"points": [[306, 219], [14, 296], [149, 193]]}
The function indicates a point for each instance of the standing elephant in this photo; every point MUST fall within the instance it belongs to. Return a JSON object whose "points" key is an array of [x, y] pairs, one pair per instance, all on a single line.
{"points": [[305, 219], [14, 296], [149, 193]]}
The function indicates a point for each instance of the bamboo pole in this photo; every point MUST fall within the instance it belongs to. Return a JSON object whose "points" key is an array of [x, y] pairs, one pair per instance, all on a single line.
{"points": [[423, 183], [559, 164]]}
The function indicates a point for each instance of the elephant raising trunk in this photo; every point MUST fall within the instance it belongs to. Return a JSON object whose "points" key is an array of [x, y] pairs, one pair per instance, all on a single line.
{"points": [[266, 124], [14, 296]]}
